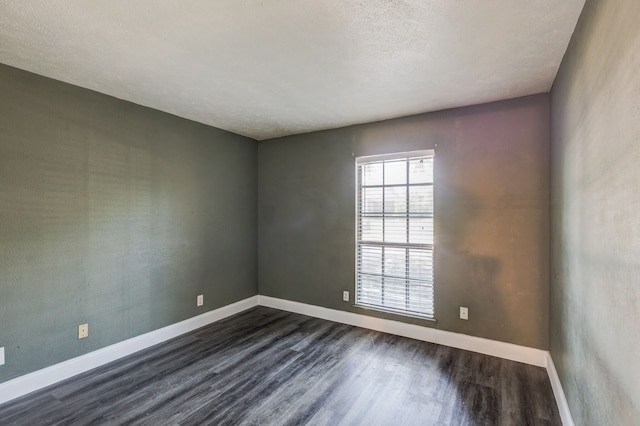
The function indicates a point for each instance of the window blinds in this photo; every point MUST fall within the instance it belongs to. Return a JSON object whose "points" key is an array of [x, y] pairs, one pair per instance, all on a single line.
{"points": [[395, 233]]}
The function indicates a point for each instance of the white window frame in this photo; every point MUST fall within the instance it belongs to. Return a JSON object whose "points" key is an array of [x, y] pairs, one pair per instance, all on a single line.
{"points": [[428, 249]]}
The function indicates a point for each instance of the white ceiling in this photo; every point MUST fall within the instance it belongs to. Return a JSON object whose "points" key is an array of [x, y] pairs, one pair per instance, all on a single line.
{"points": [[265, 68]]}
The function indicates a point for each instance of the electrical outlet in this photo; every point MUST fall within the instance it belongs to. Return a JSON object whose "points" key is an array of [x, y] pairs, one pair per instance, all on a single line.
{"points": [[1, 356], [345, 296], [464, 313], [83, 331], [200, 300]]}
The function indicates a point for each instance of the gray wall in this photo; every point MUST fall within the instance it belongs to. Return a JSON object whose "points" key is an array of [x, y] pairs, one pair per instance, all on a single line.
{"points": [[595, 220], [116, 215], [492, 192]]}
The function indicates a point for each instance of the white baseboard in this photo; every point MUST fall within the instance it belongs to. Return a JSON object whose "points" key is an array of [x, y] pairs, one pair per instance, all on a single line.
{"points": [[47, 376], [504, 350], [558, 392]]}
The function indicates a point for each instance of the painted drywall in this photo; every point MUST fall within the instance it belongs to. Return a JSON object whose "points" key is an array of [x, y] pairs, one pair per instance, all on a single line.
{"points": [[491, 199], [114, 215], [595, 216]]}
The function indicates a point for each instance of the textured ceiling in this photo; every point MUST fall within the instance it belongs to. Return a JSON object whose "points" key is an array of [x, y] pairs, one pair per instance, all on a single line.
{"points": [[270, 68]]}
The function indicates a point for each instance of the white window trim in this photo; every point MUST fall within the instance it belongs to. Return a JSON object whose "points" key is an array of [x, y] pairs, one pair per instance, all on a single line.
{"points": [[386, 157]]}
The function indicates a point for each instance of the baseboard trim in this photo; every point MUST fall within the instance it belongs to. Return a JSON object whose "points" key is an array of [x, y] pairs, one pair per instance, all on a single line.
{"points": [[23, 385], [558, 392], [504, 350]]}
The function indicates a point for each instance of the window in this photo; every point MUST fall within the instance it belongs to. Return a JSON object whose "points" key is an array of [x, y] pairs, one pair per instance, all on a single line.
{"points": [[394, 233]]}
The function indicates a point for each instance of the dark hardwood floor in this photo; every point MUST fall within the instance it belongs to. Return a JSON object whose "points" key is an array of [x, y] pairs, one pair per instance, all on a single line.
{"points": [[269, 367]]}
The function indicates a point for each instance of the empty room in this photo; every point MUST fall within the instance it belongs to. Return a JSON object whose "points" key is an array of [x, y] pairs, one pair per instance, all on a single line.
{"points": [[320, 212]]}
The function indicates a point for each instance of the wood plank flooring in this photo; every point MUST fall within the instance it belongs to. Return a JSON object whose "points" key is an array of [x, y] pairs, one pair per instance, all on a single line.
{"points": [[269, 367]]}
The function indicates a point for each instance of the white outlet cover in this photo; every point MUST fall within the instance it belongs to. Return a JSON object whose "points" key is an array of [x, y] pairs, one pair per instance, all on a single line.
{"points": [[200, 300], [1, 356], [83, 331], [464, 313]]}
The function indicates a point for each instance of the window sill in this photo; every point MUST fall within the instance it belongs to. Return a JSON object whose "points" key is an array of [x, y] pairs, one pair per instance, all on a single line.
{"points": [[431, 321]]}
